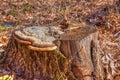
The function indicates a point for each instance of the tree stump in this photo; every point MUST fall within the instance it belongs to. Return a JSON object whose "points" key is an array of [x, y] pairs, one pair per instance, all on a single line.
{"points": [[48, 53]]}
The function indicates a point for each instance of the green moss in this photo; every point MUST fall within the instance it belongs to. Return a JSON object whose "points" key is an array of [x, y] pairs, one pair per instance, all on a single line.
{"points": [[71, 77], [13, 13], [59, 76], [63, 66], [3, 28], [26, 8]]}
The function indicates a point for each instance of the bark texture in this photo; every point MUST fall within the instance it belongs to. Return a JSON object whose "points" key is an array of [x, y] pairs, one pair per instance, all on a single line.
{"points": [[75, 58]]}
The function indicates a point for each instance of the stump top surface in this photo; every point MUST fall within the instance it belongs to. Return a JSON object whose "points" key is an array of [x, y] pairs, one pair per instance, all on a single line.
{"points": [[78, 33], [39, 34]]}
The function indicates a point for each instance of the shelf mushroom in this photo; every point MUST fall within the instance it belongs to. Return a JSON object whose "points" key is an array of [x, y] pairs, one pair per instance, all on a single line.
{"points": [[38, 38]]}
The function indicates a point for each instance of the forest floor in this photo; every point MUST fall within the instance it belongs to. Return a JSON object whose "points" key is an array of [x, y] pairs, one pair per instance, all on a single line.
{"points": [[104, 15]]}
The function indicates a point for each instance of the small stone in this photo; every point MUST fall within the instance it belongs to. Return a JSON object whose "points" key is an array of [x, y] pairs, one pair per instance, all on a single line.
{"points": [[1, 50], [1, 45]]}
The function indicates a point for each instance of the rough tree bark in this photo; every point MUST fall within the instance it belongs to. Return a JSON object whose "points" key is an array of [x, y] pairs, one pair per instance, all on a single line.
{"points": [[44, 53]]}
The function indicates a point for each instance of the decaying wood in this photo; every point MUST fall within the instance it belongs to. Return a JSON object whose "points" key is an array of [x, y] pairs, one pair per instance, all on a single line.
{"points": [[34, 53]]}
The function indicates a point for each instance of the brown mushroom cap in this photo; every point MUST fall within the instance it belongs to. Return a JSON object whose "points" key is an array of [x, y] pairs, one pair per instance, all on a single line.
{"points": [[43, 48], [37, 38], [21, 40]]}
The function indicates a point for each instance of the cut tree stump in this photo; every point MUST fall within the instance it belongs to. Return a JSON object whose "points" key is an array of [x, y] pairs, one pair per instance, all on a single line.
{"points": [[48, 53]]}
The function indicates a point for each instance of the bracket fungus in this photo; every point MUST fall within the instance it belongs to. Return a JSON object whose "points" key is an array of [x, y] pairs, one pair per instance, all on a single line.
{"points": [[38, 38]]}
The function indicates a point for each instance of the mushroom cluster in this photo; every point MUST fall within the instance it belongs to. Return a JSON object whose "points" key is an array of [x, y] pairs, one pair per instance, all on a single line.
{"points": [[38, 38]]}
